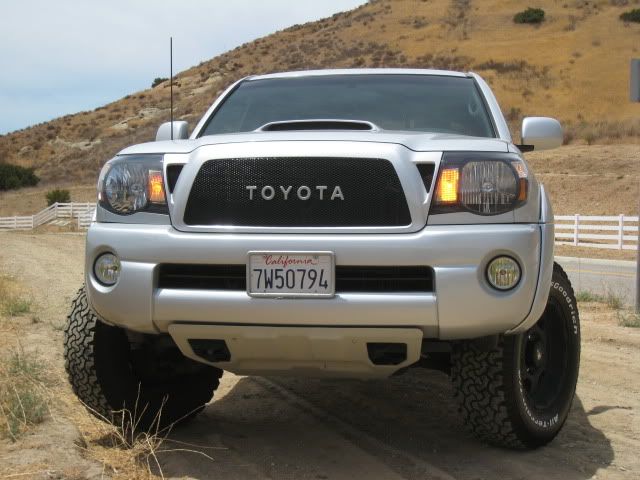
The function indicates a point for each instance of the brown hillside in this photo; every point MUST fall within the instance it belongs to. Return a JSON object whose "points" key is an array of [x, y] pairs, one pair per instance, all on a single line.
{"points": [[574, 66]]}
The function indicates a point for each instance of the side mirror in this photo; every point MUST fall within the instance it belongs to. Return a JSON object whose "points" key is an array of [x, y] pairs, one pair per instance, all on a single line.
{"points": [[180, 131], [540, 133]]}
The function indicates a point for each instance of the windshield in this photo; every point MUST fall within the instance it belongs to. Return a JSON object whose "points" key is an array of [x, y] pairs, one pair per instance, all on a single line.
{"points": [[426, 103]]}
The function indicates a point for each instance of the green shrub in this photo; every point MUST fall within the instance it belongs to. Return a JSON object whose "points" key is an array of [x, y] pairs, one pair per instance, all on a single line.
{"points": [[631, 16], [157, 81], [13, 177], [58, 195], [530, 15]]}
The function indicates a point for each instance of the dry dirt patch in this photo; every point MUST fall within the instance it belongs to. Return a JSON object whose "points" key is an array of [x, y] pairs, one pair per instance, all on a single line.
{"points": [[588, 252], [590, 180]]}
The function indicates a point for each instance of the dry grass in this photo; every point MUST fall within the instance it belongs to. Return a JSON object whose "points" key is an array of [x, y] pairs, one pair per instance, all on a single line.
{"points": [[122, 453], [566, 73], [624, 317], [628, 319], [602, 131], [123, 450], [13, 301], [610, 299], [24, 392]]}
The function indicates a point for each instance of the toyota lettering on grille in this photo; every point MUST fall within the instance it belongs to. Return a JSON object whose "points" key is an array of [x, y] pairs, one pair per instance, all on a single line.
{"points": [[303, 192]]}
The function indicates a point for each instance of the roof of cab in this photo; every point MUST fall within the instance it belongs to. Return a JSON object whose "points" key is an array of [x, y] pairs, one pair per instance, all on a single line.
{"points": [[359, 71]]}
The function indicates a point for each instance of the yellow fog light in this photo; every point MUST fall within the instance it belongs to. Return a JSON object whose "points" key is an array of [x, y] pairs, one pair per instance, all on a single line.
{"points": [[107, 269], [503, 273]]}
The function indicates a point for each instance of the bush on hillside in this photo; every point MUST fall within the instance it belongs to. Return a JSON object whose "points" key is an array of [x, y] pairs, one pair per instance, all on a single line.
{"points": [[157, 81], [14, 176], [58, 196], [631, 16], [530, 15]]}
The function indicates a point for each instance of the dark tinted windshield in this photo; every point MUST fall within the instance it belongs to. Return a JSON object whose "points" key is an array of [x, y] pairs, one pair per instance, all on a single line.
{"points": [[393, 102]]}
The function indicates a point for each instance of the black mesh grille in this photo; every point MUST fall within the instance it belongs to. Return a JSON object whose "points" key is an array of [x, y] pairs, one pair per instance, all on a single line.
{"points": [[383, 279], [370, 187], [202, 277], [348, 278]]}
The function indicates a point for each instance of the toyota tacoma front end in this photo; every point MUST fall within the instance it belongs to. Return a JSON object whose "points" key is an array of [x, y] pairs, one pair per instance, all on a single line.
{"points": [[349, 223]]}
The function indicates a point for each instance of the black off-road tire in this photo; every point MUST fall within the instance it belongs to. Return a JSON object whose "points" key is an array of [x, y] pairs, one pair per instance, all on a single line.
{"points": [[517, 395], [114, 386]]}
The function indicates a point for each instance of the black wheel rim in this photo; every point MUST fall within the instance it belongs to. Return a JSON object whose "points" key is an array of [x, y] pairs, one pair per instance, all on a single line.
{"points": [[544, 358]]}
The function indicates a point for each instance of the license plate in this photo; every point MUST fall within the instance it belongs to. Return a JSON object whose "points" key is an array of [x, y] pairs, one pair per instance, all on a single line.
{"points": [[296, 274]]}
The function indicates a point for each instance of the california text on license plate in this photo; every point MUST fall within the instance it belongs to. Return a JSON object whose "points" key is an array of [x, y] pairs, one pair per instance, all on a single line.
{"points": [[295, 274]]}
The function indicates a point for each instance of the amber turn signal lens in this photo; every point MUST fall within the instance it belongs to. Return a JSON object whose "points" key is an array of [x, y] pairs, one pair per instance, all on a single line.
{"points": [[524, 187], [156, 187], [523, 180], [447, 189]]}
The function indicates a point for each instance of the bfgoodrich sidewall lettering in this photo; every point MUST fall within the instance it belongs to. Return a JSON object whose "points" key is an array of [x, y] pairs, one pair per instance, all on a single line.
{"points": [[562, 308]]}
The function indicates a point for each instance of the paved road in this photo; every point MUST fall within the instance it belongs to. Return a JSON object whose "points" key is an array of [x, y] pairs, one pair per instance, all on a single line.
{"points": [[602, 276]]}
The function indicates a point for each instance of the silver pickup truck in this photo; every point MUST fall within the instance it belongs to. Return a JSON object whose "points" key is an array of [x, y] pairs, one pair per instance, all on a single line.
{"points": [[337, 223]]}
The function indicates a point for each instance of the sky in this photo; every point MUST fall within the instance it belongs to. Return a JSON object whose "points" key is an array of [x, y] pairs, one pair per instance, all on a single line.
{"points": [[65, 56]]}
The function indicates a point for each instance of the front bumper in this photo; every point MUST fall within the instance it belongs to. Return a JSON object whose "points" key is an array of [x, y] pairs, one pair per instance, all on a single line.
{"points": [[462, 305]]}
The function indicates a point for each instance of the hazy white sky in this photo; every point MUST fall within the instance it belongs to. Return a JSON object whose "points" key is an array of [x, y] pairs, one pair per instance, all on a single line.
{"points": [[64, 56]]}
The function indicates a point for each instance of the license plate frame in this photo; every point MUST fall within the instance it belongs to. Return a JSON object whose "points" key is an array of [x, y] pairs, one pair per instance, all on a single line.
{"points": [[326, 260]]}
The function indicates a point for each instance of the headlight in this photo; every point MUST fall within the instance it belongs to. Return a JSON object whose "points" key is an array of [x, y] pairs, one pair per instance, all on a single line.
{"points": [[130, 184], [484, 184]]}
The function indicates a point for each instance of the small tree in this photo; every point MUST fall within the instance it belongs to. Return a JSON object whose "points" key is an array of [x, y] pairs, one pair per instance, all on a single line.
{"points": [[58, 196], [631, 16], [530, 15], [157, 81]]}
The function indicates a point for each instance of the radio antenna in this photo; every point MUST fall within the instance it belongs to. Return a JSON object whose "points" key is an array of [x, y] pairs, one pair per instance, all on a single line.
{"points": [[171, 80]]}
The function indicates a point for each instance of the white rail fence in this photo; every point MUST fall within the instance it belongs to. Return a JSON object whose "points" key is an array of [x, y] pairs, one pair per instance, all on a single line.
{"points": [[619, 232], [595, 231], [83, 212], [85, 218]]}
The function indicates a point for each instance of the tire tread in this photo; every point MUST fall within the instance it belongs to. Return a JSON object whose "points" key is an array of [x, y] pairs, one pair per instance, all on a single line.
{"points": [[109, 391], [79, 354], [481, 391]]}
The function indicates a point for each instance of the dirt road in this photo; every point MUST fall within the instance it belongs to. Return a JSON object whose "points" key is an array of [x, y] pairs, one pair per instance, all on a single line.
{"points": [[259, 428]]}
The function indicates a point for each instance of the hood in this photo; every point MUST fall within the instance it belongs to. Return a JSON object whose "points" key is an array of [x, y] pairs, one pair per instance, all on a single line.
{"points": [[416, 141]]}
